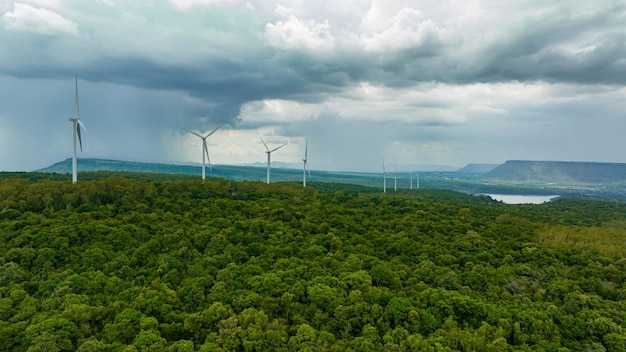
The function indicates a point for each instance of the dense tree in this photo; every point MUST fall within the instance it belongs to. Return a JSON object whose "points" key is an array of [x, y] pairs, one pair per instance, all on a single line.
{"points": [[117, 264]]}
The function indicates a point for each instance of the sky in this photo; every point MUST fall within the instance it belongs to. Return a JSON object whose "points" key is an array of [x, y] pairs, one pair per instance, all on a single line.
{"points": [[411, 82]]}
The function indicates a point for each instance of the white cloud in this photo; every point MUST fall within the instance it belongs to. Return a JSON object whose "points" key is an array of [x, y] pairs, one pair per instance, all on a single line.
{"points": [[229, 146], [185, 5], [25, 17], [110, 3], [48, 4], [299, 34], [408, 29], [278, 111]]}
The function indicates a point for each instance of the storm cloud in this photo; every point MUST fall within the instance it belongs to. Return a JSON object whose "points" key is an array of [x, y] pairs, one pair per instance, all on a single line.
{"points": [[419, 82]]}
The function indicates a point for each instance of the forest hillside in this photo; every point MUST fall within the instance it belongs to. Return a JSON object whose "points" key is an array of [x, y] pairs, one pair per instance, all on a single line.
{"points": [[560, 172], [118, 264]]}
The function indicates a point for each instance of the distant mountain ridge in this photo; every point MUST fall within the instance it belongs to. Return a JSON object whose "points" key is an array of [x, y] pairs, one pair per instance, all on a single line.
{"points": [[562, 172], [477, 168], [230, 172], [522, 171], [237, 173], [65, 166], [243, 172]]}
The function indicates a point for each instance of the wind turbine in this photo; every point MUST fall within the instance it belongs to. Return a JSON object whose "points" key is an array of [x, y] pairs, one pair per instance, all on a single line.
{"points": [[411, 178], [77, 124], [305, 161], [205, 149], [269, 154], [417, 180], [395, 177], [384, 178]]}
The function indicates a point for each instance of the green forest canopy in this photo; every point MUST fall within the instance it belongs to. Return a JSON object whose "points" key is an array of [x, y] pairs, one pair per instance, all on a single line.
{"points": [[118, 264]]}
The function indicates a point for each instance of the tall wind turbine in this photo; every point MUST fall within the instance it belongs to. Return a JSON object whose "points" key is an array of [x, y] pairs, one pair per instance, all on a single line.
{"points": [[305, 161], [269, 154], [384, 178], [205, 149], [77, 124]]}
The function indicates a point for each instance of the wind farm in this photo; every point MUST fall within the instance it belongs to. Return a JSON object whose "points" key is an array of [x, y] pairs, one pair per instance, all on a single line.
{"points": [[462, 183]]}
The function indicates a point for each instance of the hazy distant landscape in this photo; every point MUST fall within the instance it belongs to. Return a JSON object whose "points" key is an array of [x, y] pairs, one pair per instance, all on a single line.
{"points": [[602, 181]]}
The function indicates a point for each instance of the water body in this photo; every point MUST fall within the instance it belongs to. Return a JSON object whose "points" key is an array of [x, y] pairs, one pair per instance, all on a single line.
{"points": [[521, 198]]}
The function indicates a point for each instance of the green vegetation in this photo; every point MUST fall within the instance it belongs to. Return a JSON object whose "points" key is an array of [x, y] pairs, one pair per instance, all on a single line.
{"points": [[560, 172], [599, 181], [609, 239], [120, 264]]}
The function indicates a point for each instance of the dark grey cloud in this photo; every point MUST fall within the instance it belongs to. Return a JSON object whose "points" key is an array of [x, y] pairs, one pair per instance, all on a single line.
{"points": [[399, 78]]}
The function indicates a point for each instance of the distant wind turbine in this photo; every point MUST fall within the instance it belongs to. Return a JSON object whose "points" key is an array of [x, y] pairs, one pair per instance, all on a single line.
{"points": [[417, 180], [269, 154], [395, 177], [411, 178], [384, 178], [205, 149], [305, 161], [77, 124]]}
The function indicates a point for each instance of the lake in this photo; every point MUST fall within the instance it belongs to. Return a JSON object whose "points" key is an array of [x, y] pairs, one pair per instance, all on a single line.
{"points": [[521, 198]]}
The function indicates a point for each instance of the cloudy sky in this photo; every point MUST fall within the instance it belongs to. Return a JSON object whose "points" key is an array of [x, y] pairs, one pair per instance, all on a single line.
{"points": [[433, 82]]}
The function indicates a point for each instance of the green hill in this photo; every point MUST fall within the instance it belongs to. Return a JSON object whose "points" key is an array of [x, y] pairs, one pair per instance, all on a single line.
{"points": [[559, 172], [117, 264], [230, 172]]}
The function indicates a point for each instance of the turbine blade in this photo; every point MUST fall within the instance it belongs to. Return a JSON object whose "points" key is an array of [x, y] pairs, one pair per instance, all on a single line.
{"points": [[275, 149], [192, 132], [268, 149], [216, 128], [81, 124], [306, 149], [76, 100], [206, 151], [80, 141]]}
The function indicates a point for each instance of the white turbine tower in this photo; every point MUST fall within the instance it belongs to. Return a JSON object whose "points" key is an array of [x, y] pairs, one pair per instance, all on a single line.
{"points": [[77, 124], [205, 149], [417, 180], [395, 177], [384, 178], [269, 154], [411, 178], [305, 161]]}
